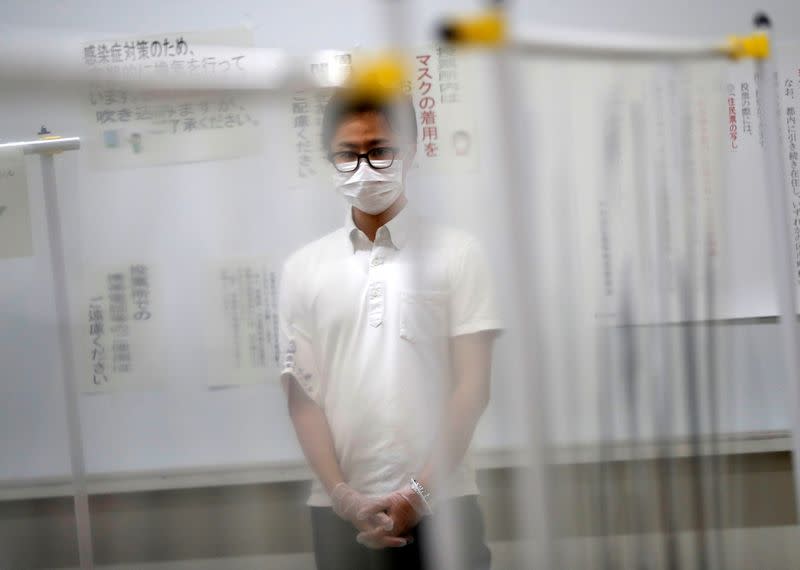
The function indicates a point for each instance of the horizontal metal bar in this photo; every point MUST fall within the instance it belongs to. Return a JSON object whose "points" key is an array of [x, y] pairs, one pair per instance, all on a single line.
{"points": [[45, 146], [482, 459], [555, 41]]}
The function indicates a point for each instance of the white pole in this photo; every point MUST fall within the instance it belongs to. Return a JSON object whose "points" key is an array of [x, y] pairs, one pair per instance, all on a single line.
{"points": [[532, 486], [46, 148], [781, 239], [565, 42]]}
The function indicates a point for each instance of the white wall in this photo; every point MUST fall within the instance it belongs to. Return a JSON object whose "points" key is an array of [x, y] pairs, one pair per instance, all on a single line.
{"points": [[673, 17], [299, 26]]}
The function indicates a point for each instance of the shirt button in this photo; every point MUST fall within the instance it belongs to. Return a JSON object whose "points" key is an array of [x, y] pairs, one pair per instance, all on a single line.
{"points": [[376, 261]]}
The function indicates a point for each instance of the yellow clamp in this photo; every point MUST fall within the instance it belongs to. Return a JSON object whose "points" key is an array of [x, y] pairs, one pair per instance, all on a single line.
{"points": [[488, 28], [379, 78], [49, 137], [755, 45]]}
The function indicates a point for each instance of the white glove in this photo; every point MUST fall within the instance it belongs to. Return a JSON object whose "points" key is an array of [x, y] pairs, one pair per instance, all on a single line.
{"points": [[406, 509], [367, 514]]}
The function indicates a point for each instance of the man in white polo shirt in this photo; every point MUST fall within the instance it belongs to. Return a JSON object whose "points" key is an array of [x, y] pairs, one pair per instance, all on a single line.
{"points": [[389, 323]]}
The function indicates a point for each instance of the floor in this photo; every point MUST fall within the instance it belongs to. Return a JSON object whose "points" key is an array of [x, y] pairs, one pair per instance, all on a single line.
{"points": [[765, 548]]}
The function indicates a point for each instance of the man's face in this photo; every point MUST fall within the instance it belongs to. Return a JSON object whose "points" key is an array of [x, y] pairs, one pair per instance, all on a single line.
{"points": [[362, 132]]}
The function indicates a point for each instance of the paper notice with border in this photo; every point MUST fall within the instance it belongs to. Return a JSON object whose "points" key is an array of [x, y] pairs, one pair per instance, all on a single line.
{"points": [[243, 336], [15, 219], [121, 344], [440, 83], [145, 126]]}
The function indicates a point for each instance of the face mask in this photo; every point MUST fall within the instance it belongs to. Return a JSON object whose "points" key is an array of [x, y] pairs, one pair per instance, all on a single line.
{"points": [[371, 191]]}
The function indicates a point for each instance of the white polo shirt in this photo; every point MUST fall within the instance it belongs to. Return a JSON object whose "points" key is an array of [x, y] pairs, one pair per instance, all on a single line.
{"points": [[367, 328]]}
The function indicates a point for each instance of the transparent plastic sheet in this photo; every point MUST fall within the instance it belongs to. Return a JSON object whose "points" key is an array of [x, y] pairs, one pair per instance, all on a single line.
{"points": [[599, 203], [626, 248]]}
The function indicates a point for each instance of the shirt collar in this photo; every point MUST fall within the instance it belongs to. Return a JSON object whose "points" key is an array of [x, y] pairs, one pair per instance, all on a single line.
{"points": [[395, 232]]}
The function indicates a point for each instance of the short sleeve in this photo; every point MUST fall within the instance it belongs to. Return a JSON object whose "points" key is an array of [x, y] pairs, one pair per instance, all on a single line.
{"points": [[472, 302], [299, 360]]}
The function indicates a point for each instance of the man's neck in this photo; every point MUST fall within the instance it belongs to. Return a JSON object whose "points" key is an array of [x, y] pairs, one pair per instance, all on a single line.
{"points": [[370, 223]]}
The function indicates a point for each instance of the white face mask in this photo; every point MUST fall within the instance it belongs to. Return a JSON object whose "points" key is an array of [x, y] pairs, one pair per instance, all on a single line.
{"points": [[371, 191]]}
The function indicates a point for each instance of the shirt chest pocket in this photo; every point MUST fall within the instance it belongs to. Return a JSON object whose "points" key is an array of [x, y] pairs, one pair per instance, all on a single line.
{"points": [[423, 316]]}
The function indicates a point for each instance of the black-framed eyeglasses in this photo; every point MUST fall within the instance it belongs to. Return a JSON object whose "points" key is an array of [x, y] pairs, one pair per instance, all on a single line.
{"points": [[378, 158]]}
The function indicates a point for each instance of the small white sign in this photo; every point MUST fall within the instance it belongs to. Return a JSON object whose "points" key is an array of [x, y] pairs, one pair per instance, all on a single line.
{"points": [[122, 344], [15, 219], [243, 323], [143, 127]]}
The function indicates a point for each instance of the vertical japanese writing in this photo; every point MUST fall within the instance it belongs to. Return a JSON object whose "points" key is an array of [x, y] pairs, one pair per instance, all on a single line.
{"points": [[250, 317], [230, 304], [605, 247], [254, 317], [746, 109], [308, 108], [449, 91], [140, 292], [97, 350], [732, 127], [794, 181], [123, 299], [427, 106], [707, 181], [272, 316], [300, 118], [759, 111], [118, 315]]}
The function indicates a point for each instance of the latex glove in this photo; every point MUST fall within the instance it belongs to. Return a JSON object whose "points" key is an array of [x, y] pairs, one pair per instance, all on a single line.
{"points": [[406, 509], [368, 515]]}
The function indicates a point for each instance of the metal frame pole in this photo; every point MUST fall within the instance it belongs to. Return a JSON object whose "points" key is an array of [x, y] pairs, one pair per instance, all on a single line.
{"points": [[520, 203], [46, 148]]}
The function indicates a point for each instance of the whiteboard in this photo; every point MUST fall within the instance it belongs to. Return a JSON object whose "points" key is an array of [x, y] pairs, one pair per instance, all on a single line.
{"points": [[183, 218]]}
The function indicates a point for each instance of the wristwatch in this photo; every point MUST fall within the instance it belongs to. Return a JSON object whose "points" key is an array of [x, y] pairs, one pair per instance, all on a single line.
{"points": [[424, 494]]}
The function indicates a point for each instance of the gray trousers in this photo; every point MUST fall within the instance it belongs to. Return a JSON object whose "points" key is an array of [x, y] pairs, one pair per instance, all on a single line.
{"points": [[454, 531]]}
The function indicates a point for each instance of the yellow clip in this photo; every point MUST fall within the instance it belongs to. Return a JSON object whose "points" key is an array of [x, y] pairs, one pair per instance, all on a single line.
{"points": [[378, 79], [755, 45], [49, 137], [487, 29]]}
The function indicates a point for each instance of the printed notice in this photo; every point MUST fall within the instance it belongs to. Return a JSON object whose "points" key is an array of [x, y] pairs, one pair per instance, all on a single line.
{"points": [[15, 220], [440, 87], [141, 127], [122, 316], [789, 85], [328, 68], [754, 289], [439, 83], [243, 331]]}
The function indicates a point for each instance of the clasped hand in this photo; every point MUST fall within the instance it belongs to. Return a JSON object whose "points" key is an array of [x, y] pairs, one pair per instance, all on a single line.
{"points": [[382, 521]]}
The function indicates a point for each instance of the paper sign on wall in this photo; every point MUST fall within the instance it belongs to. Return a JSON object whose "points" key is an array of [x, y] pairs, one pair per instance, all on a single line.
{"points": [[243, 328], [15, 220], [121, 343], [746, 162], [132, 127], [439, 84]]}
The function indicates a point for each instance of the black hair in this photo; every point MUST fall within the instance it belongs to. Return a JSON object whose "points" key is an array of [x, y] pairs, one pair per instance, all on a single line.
{"points": [[398, 112]]}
